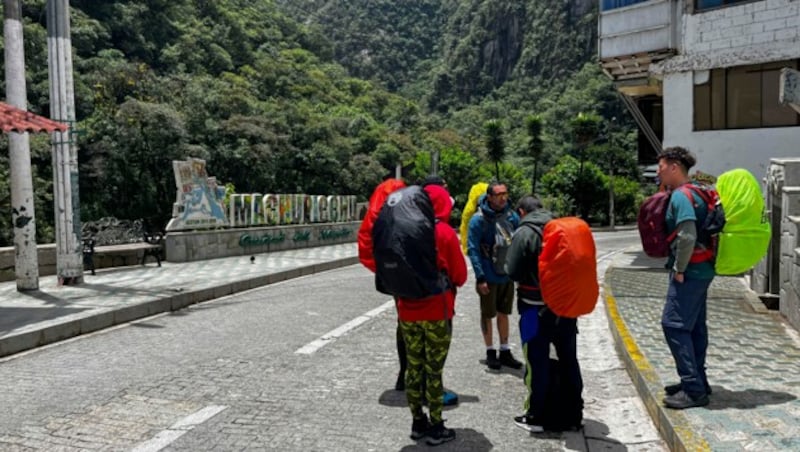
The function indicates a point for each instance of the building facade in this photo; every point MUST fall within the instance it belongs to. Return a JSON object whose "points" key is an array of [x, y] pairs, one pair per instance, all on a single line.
{"points": [[706, 75]]}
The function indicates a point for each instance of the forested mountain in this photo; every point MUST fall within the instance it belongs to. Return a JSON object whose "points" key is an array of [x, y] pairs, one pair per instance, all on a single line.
{"points": [[307, 95], [484, 60]]}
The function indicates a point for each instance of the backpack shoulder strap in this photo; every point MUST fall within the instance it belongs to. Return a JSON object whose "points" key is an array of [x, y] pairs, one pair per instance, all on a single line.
{"points": [[535, 229], [688, 189]]}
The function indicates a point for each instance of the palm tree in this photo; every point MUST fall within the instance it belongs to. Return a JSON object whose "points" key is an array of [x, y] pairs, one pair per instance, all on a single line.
{"points": [[533, 124], [494, 143], [585, 130]]}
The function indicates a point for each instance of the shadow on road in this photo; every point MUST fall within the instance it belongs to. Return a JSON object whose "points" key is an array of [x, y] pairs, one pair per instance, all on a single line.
{"points": [[592, 437], [395, 399], [747, 399], [466, 439], [520, 373]]}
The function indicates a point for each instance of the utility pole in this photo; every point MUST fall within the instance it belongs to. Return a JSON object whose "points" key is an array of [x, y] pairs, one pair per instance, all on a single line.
{"points": [[69, 253], [26, 259]]}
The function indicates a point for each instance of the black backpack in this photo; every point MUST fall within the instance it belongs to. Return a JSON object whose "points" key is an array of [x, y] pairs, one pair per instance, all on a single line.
{"points": [[404, 246], [503, 230]]}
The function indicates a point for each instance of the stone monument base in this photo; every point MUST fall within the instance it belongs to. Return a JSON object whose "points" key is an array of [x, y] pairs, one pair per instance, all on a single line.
{"points": [[210, 244]]}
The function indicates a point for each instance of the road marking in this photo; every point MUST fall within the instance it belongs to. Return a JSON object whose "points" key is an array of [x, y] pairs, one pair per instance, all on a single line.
{"points": [[166, 437], [332, 335]]}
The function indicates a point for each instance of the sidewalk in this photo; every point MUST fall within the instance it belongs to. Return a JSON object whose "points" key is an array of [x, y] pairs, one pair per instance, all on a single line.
{"points": [[119, 295], [753, 361]]}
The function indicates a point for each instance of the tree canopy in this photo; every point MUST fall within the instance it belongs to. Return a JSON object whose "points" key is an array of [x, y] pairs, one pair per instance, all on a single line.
{"points": [[308, 96]]}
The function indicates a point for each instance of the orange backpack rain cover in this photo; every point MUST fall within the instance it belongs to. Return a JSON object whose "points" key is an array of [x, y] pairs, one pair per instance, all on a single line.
{"points": [[568, 267]]}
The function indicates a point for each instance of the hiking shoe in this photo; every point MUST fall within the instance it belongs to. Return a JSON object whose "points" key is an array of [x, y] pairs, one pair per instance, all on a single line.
{"points": [[400, 384], [491, 360], [681, 400], [529, 423], [674, 389], [450, 398], [420, 427], [439, 434], [507, 359]]}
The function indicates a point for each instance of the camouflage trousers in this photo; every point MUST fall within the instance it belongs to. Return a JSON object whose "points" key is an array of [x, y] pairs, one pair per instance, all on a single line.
{"points": [[427, 344]]}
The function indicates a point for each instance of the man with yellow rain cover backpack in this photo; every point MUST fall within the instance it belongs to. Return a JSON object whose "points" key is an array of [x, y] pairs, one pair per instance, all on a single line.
{"points": [[469, 210]]}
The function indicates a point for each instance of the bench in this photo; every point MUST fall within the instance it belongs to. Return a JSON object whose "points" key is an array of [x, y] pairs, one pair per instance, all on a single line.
{"points": [[117, 239]]}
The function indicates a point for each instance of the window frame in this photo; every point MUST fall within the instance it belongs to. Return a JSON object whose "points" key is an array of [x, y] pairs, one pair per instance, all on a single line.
{"points": [[717, 109]]}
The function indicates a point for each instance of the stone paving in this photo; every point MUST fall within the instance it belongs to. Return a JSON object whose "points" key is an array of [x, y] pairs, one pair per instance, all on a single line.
{"points": [[119, 295], [753, 362]]}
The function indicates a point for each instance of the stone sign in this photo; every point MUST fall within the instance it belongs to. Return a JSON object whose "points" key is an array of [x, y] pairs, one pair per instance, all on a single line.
{"points": [[199, 203]]}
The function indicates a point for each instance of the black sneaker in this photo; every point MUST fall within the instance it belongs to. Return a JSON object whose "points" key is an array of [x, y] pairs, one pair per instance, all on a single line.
{"points": [[507, 359], [420, 427], [491, 360], [529, 423], [681, 401], [400, 384], [439, 434], [674, 389]]}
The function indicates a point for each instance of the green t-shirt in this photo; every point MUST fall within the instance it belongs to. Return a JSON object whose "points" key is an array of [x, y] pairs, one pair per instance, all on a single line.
{"points": [[680, 210]]}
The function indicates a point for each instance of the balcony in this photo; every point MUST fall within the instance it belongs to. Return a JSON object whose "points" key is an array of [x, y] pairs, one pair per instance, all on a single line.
{"points": [[636, 33]]}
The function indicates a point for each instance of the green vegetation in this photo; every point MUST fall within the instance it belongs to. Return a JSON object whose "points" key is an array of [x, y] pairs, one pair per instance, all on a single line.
{"points": [[320, 97]]}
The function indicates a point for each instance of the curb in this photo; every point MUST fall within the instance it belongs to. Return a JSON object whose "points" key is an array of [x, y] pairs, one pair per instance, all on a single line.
{"points": [[27, 340], [673, 425]]}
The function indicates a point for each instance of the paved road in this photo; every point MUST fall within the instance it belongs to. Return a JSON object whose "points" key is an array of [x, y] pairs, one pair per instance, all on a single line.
{"points": [[307, 364]]}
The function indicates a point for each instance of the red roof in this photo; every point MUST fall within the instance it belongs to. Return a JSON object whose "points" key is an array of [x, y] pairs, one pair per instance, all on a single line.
{"points": [[13, 119]]}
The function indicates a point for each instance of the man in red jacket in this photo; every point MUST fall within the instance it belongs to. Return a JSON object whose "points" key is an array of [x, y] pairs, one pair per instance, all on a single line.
{"points": [[426, 325]]}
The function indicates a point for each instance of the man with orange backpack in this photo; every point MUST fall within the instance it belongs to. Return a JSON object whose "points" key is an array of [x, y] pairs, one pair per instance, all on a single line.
{"points": [[691, 266], [554, 399]]}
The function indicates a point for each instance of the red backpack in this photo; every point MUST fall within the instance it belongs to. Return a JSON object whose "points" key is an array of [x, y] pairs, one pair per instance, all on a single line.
{"points": [[652, 223]]}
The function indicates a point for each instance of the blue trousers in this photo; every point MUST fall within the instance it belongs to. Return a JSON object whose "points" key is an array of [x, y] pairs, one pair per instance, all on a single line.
{"points": [[684, 325]]}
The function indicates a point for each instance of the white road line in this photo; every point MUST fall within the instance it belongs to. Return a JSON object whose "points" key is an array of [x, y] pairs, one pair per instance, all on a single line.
{"points": [[331, 336], [166, 437]]}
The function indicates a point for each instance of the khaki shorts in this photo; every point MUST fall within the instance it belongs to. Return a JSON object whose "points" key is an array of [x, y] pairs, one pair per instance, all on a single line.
{"points": [[500, 299]]}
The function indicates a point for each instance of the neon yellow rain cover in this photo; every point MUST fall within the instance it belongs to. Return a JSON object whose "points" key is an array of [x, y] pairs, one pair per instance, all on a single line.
{"points": [[469, 210], [746, 235]]}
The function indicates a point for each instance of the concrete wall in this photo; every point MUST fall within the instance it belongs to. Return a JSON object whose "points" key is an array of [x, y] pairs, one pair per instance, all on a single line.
{"points": [[780, 270], [776, 22], [643, 27], [47, 261], [720, 150], [751, 33], [201, 245], [190, 246]]}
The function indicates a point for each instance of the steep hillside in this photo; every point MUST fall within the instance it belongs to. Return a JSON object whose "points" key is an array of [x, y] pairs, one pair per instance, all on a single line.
{"points": [[386, 40]]}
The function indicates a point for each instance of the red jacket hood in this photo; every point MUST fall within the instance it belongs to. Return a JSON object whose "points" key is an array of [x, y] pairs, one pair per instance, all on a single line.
{"points": [[376, 201], [442, 204]]}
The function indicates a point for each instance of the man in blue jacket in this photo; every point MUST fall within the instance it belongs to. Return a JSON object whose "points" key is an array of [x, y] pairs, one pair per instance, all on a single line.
{"points": [[488, 240]]}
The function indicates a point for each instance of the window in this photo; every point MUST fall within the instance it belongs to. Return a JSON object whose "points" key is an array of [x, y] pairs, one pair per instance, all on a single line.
{"points": [[709, 4], [742, 97]]}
